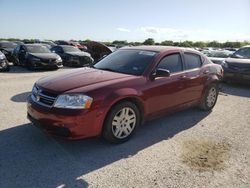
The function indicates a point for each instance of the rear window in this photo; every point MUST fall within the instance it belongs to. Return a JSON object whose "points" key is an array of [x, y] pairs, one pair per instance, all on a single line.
{"points": [[192, 61]]}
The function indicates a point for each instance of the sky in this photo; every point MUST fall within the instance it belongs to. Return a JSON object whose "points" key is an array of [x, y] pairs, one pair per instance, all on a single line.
{"points": [[131, 20]]}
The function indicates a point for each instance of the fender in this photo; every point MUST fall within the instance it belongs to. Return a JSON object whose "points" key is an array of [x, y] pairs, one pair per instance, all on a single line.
{"points": [[117, 96], [212, 80]]}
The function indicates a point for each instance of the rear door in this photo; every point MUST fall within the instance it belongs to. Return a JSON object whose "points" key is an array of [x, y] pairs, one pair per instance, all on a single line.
{"points": [[195, 76]]}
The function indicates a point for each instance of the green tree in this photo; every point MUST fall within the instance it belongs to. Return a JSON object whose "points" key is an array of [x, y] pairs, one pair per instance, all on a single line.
{"points": [[149, 41], [167, 43]]}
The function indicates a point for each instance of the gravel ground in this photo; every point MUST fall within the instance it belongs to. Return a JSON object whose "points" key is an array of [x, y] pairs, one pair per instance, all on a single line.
{"points": [[186, 149]]}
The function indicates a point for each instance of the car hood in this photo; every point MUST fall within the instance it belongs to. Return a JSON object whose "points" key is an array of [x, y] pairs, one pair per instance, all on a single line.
{"points": [[78, 78], [45, 55], [81, 54], [237, 61]]}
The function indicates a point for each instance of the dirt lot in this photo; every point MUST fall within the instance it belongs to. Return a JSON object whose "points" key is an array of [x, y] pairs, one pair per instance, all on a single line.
{"points": [[187, 149]]}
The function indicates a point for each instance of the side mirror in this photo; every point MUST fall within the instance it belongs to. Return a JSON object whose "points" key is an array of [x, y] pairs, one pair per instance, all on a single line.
{"points": [[160, 73]]}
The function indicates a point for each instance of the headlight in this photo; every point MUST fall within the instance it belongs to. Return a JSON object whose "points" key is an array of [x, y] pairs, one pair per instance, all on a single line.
{"points": [[73, 101], [59, 59], [74, 58], [34, 90], [2, 56], [224, 64]]}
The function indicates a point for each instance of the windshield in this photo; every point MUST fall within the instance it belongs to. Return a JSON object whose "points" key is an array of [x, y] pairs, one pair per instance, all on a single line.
{"points": [[8, 45], [71, 49], [243, 53], [132, 62], [37, 49]]}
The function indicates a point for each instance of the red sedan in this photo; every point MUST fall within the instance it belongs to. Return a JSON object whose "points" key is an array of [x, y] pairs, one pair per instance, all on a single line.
{"points": [[121, 91]]}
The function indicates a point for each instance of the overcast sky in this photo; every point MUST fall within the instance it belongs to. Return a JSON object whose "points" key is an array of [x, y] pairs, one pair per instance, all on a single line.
{"points": [[131, 20]]}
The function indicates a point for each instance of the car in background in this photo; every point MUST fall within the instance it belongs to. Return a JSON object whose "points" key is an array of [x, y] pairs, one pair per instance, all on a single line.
{"points": [[237, 67], [49, 44], [4, 64], [219, 56], [78, 45], [73, 56], [36, 56], [98, 50], [121, 91], [7, 48]]}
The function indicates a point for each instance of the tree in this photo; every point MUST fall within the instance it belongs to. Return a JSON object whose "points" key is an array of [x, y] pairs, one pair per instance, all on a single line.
{"points": [[149, 41], [167, 43]]}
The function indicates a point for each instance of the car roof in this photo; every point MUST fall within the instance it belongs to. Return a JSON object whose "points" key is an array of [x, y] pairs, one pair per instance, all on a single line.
{"points": [[157, 48], [248, 46], [35, 44]]}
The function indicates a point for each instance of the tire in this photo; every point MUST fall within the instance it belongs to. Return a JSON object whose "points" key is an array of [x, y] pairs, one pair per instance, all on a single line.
{"points": [[116, 126], [210, 98]]}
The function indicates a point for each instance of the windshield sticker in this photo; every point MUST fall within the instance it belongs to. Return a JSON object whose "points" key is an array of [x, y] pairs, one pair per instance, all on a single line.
{"points": [[147, 53]]}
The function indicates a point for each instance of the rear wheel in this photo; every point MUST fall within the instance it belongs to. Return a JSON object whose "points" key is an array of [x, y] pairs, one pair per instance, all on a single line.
{"points": [[121, 122], [210, 98]]}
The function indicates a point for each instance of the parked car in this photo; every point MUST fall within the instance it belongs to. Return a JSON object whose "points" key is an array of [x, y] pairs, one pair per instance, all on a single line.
{"points": [[36, 56], [78, 45], [49, 44], [123, 90], [219, 56], [4, 64], [72, 56], [98, 50], [7, 48], [237, 67]]}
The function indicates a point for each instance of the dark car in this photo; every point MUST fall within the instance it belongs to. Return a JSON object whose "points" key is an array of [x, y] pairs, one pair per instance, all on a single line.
{"points": [[4, 64], [72, 56], [219, 56], [98, 50], [7, 48], [123, 90], [36, 56], [237, 67]]}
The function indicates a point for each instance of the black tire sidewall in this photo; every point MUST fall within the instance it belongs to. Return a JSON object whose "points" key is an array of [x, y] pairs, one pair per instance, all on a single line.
{"points": [[107, 129]]}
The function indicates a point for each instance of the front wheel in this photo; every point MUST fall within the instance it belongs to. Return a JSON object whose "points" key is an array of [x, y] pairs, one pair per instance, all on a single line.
{"points": [[121, 122], [210, 98]]}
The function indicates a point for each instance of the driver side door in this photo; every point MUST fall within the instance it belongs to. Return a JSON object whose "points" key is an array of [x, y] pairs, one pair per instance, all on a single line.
{"points": [[166, 93]]}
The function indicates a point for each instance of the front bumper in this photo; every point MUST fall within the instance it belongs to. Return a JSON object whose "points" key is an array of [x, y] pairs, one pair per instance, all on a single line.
{"points": [[66, 123], [46, 65], [237, 76]]}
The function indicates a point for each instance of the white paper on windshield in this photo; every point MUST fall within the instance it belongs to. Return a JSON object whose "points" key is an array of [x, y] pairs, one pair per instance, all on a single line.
{"points": [[147, 53]]}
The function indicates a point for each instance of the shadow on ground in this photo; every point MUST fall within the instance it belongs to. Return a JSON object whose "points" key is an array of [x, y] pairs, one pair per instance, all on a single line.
{"points": [[22, 97], [236, 89], [30, 158]]}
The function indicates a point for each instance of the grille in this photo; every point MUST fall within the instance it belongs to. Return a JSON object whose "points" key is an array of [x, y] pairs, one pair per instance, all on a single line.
{"points": [[49, 61], [42, 97], [240, 67]]}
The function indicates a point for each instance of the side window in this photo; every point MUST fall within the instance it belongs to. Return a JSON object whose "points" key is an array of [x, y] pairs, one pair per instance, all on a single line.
{"points": [[172, 63], [192, 61]]}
